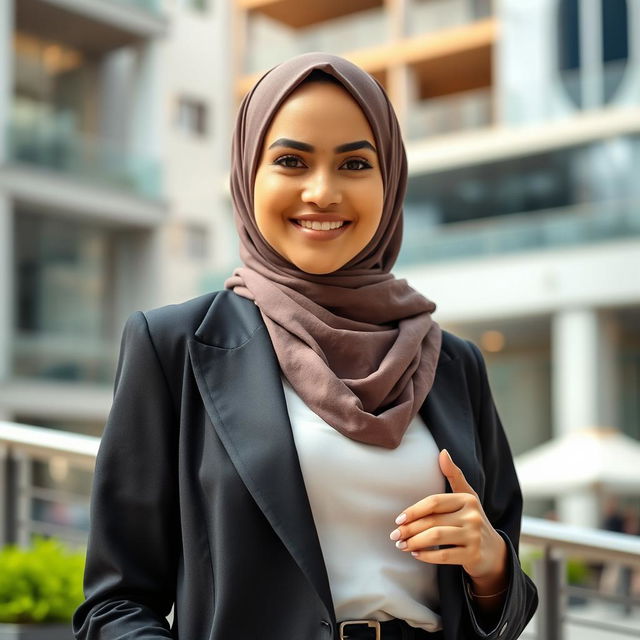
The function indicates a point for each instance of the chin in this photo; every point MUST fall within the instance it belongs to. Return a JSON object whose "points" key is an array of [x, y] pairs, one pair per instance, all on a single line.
{"points": [[316, 269]]}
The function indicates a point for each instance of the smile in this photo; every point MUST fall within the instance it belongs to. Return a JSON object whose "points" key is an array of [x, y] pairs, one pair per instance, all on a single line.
{"points": [[320, 226]]}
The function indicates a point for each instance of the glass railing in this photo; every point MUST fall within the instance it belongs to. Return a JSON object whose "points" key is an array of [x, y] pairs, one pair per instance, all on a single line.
{"points": [[576, 225], [93, 159], [427, 16], [152, 6], [271, 42], [63, 358], [455, 112]]}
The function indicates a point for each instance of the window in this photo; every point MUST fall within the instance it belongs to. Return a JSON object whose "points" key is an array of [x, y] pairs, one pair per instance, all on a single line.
{"points": [[592, 75], [195, 241], [192, 116], [64, 288]]}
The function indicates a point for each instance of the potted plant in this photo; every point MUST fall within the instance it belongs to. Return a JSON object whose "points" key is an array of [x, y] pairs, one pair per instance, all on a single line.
{"points": [[40, 588]]}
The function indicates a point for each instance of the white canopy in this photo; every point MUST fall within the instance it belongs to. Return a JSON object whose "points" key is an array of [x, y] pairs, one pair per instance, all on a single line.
{"points": [[596, 458]]}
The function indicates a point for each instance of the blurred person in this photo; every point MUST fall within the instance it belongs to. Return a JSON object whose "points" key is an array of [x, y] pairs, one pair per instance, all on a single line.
{"points": [[306, 454], [617, 578]]}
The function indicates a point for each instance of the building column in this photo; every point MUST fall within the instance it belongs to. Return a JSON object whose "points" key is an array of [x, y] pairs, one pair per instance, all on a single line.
{"points": [[6, 74], [6, 285], [583, 389]]}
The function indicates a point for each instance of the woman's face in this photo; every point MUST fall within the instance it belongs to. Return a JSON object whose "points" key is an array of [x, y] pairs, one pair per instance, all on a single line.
{"points": [[318, 168]]}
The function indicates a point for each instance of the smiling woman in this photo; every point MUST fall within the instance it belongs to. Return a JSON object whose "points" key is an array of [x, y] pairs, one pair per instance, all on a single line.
{"points": [[274, 462], [317, 202]]}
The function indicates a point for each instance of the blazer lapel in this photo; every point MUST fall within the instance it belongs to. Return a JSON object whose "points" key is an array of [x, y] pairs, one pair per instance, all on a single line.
{"points": [[448, 415], [238, 376]]}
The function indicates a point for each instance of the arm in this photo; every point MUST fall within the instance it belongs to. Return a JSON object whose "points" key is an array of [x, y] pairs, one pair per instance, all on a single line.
{"points": [[133, 545], [502, 503]]}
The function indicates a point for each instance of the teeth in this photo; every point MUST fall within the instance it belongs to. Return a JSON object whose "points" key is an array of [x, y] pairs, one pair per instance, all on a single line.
{"points": [[320, 226]]}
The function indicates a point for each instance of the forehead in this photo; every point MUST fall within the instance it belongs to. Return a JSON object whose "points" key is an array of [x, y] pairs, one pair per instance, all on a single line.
{"points": [[320, 110]]}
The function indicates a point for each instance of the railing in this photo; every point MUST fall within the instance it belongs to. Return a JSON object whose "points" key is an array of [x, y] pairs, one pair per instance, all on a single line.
{"points": [[559, 542], [455, 112], [50, 143], [565, 226], [45, 477], [559, 615], [54, 356], [428, 16], [153, 6]]}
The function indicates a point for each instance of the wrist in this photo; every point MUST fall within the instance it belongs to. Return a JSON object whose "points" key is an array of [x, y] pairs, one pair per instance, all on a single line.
{"points": [[495, 580]]}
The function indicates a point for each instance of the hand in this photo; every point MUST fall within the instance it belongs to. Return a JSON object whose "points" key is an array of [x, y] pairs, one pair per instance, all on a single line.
{"points": [[454, 519]]}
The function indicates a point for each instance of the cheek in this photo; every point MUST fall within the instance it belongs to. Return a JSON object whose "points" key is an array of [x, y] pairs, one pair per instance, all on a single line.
{"points": [[371, 203], [269, 202]]}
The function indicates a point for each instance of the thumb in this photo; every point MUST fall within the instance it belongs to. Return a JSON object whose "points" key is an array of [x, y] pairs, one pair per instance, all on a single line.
{"points": [[454, 474]]}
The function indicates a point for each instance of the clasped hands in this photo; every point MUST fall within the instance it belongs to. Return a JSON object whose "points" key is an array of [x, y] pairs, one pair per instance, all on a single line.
{"points": [[454, 519]]}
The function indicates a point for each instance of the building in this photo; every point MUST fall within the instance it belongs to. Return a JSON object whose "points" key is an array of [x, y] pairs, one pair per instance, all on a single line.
{"points": [[109, 187], [522, 218]]}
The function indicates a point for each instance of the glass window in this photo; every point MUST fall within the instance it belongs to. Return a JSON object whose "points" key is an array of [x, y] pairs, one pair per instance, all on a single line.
{"points": [[64, 293], [612, 18], [192, 116]]}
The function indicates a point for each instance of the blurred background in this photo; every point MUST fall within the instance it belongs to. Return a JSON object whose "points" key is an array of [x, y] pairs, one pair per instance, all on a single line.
{"points": [[522, 220]]}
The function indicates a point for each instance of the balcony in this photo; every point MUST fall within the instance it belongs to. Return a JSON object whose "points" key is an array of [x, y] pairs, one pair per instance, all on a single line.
{"points": [[50, 144], [456, 112], [429, 16], [297, 14], [452, 60], [567, 226], [92, 26], [353, 31], [63, 358]]}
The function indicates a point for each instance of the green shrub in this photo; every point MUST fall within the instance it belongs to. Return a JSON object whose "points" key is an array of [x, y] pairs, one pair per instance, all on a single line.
{"points": [[577, 570], [40, 584]]}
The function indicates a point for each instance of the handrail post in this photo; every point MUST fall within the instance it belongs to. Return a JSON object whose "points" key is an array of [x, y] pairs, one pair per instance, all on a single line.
{"points": [[550, 580], [8, 496]]}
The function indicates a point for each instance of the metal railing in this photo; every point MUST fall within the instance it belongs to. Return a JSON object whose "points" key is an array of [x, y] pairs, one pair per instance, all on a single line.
{"points": [[565, 226], [554, 544]]}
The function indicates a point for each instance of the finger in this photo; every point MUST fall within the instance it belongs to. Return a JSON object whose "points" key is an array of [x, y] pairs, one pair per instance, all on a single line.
{"points": [[453, 555], [433, 538], [436, 503], [454, 474], [422, 524]]}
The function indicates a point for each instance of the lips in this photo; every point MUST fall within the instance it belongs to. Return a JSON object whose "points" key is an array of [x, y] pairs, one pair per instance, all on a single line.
{"points": [[320, 221], [320, 228]]}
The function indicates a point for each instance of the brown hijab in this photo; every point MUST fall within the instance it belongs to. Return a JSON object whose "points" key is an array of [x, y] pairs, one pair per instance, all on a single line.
{"points": [[358, 346]]}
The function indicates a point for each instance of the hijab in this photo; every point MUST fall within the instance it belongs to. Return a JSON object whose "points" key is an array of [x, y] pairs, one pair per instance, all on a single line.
{"points": [[359, 346]]}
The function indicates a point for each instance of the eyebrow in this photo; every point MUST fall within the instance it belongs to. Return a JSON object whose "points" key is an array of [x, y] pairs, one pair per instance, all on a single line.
{"points": [[342, 148]]}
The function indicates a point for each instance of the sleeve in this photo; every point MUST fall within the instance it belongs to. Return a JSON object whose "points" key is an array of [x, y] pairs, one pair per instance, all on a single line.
{"points": [[133, 543], [502, 503]]}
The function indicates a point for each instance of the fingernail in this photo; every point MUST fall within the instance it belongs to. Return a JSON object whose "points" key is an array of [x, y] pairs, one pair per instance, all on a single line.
{"points": [[401, 544], [448, 455], [401, 518], [414, 554], [395, 534]]}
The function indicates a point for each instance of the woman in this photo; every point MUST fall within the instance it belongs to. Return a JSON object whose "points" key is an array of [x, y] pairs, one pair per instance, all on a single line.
{"points": [[274, 459]]}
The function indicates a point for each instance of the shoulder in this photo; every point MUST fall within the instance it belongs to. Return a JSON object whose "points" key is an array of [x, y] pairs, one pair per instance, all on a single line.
{"points": [[183, 316], [170, 324], [455, 347]]}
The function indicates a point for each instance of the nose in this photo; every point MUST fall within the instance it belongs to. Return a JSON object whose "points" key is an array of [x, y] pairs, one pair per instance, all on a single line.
{"points": [[321, 189]]}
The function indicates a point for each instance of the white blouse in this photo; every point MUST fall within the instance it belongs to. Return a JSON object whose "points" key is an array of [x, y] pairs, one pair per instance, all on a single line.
{"points": [[356, 491]]}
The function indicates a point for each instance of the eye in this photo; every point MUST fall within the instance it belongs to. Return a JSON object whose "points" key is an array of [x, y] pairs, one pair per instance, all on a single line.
{"points": [[359, 161], [287, 161]]}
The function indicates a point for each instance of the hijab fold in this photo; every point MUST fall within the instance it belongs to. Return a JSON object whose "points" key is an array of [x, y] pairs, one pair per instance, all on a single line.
{"points": [[359, 346]]}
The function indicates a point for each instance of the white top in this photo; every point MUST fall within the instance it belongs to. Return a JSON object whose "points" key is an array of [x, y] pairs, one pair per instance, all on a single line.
{"points": [[356, 491]]}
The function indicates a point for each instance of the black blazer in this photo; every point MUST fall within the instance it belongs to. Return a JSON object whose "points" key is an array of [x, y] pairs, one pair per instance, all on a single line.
{"points": [[198, 498]]}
